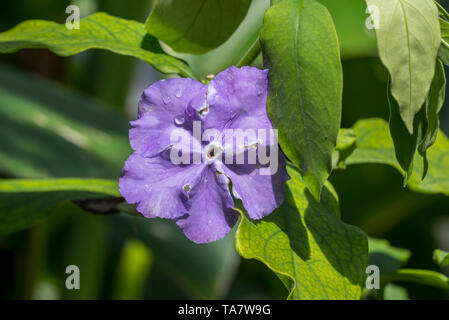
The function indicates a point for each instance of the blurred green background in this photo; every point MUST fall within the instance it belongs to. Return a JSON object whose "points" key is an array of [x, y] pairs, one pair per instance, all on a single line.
{"points": [[68, 117]]}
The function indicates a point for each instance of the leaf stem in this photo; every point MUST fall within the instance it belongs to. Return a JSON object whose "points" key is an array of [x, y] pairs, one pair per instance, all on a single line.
{"points": [[250, 55]]}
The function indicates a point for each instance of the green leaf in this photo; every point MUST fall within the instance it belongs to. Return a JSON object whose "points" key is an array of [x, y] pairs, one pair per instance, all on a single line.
{"points": [[433, 107], [237, 50], [98, 31], [305, 243], [57, 132], [300, 48], [441, 257], [346, 144], [405, 144], [386, 257], [195, 26], [26, 202], [374, 145], [408, 39], [426, 277], [443, 52]]}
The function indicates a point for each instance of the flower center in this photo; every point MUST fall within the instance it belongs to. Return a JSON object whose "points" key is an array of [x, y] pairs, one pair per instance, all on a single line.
{"points": [[213, 151]]}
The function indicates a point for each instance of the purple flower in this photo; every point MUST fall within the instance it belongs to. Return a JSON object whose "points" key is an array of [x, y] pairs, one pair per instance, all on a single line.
{"points": [[196, 192]]}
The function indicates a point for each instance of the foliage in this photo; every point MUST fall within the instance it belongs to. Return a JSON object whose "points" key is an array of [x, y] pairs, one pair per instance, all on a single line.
{"points": [[61, 151]]}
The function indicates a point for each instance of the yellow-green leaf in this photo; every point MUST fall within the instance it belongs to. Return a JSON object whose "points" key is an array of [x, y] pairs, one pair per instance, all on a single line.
{"points": [[305, 243]]}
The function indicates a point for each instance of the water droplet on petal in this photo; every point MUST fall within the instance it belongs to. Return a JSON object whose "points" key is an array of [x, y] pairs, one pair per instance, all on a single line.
{"points": [[259, 92], [179, 120], [166, 99], [146, 108], [230, 77], [178, 93]]}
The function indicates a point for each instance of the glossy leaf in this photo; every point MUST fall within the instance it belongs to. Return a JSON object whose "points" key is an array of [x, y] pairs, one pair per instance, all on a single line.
{"points": [[441, 257], [300, 48], [305, 243], [26, 202], [98, 31], [374, 145], [195, 26], [408, 39], [57, 132]]}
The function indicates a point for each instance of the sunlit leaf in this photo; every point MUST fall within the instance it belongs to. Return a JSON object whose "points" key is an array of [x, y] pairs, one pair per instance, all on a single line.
{"points": [[98, 31], [305, 243]]}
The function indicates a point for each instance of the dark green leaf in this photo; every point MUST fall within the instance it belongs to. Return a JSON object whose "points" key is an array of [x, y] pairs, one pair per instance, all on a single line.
{"points": [[408, 39], [98, 31], [433, 107], [300, 48], [195, 26], [405, 144], [305, 243]]}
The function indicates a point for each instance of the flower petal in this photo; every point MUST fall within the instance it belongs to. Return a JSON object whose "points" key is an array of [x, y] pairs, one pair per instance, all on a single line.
{"points": [[158, 186], [237, 99], [211, 214], [162, 109], [260, 193]]}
